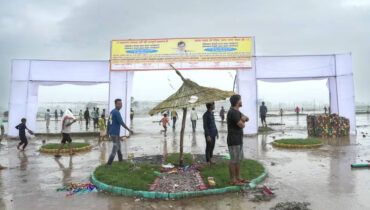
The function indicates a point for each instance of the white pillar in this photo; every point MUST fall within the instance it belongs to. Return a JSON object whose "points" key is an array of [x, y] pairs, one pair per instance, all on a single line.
{"points": [[120, 86], [18, 99], [247, 88], [341, 88]]}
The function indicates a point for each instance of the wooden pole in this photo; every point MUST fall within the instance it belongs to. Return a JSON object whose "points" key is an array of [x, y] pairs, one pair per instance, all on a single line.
{"points": [[182, 136]]}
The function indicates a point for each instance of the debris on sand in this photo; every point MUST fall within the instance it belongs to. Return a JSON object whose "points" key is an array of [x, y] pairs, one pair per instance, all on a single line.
{"points": [[181, 181], [291, 206], [257, 194]]}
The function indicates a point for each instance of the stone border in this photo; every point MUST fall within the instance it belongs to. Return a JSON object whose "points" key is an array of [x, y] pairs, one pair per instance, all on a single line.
{"points": [[163, 195], [296, 145], [66, 150]]}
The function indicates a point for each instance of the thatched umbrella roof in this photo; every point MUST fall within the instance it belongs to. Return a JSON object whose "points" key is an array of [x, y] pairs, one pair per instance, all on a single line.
{"points": [[190, 94]]}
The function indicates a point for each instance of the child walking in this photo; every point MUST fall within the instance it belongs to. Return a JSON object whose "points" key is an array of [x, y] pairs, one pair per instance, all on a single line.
{"points": [[67, 120], [22, 133], [102, 128], [164, 121]]}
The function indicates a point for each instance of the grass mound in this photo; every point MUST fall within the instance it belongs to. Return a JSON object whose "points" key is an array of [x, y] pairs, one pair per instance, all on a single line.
{"points": [[74, 145], [250, 169], [124, 174], [307, 141], [264, 129], [173, 158]]}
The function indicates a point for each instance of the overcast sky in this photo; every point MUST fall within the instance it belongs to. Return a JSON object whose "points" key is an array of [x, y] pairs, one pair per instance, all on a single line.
{"points": [[82, 30]]}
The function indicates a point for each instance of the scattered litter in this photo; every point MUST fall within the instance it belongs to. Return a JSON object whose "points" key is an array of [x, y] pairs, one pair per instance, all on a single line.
{"points": [[168, 166], [360, 165], [258, 194], [77, 188], [291, 206]]}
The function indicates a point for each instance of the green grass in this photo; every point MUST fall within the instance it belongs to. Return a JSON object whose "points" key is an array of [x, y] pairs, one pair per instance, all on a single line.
{"points": [[74, 145], [307, 141], [264, 129], [250, 169], [173, 158], [123, 174]]}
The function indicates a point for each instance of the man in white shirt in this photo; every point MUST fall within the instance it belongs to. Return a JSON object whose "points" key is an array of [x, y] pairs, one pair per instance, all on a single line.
{"points": [[193, 118], [67, 120]]}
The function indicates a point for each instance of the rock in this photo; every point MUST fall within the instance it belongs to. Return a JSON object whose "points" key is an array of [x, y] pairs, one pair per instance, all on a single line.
{"points": [[273, 163]]}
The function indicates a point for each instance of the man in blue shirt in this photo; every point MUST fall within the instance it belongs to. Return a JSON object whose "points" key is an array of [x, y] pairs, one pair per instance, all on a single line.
{"points": [[210, 131], [113, 130]]}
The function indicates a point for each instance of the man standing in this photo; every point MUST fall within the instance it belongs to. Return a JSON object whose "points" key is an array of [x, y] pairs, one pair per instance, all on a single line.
{"points": [[193, 118], [210, 131], [235, 124], [2, 136], [114, 124], [87, 117], [47, 118], [263, 112], [222, 114], [174, 118], [56, 115]]}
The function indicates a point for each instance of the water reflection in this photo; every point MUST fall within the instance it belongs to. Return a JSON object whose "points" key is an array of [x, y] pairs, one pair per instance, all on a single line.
{"points": [[23, 160], [67, 172]]}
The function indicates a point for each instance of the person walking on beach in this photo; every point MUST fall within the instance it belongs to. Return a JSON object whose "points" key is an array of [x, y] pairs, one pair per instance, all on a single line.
{"points": [[80, 116], [193, 118], [263, 112], [114, 124], [56, 115], [47, 118], [132, 114], [67, 120], [174, 116], [325, 109], [281, 112], [222, 114], [87, 117], [210, 131], [61, 113], [102, 127], [2, 130], [164, 122], [297, 110], [22, 133]]}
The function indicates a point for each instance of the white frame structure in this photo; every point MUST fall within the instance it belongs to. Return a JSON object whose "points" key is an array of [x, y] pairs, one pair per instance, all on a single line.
{"points": [[28, 75], [336, 68]]}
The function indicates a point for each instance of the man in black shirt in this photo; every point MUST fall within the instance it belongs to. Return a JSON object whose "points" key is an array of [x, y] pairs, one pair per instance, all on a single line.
{"points": [[87, 117], [235, 124], [210, 131], [263, 112]]}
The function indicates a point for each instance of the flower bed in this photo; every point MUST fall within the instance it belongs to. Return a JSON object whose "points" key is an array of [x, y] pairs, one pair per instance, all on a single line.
{"points": [[125, 178], [298, 143], [327, 126], [76, 147]]}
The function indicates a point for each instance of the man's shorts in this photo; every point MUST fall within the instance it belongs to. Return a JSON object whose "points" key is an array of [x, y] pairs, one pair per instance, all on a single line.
{"points": [[263, 117], [103, 133], [236, 153], [66, 138]]}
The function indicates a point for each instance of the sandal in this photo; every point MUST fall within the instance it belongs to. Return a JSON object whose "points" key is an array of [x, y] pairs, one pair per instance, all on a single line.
{"points": [[236, 184], [245, 181]]}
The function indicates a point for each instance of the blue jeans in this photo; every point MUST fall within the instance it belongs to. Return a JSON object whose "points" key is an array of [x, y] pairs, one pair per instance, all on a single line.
{"points": [[115, 149]]}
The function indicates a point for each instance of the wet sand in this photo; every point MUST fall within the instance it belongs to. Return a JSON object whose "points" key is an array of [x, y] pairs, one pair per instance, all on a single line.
{"points": [[320, 176]]}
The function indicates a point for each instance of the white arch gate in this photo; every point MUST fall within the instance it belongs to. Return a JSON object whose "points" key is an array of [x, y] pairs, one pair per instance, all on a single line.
{"points": [[336, 68], [28, 75]]}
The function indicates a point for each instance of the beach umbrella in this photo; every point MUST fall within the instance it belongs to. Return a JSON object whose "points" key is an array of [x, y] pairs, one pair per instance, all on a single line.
{"points": [[190, 94]]}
